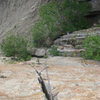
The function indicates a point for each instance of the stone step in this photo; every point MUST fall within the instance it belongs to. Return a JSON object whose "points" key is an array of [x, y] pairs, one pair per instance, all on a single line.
{"points": [[68, 46], [93, 30], [78, 47], [74, 35], [71, 52], [64, 46], [70, 40], [74, 38]]}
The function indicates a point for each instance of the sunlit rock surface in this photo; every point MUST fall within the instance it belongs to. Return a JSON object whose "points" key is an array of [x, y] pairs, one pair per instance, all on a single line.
{"points": [[71, 79]]}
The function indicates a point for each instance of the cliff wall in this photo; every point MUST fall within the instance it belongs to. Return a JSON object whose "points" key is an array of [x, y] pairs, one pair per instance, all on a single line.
{"points": [[18, 15]]}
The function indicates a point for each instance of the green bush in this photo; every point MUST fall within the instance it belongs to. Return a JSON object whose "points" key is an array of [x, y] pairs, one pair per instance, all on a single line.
{"points": [[98, 25], [15, 46], [92, 47], [57, 18], [54, 52]]}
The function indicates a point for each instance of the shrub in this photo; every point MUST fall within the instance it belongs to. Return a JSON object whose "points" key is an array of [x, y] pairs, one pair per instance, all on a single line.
{"points": [[57, 18], [54, 52], [15, 46], [92, 47], [98, 25]]}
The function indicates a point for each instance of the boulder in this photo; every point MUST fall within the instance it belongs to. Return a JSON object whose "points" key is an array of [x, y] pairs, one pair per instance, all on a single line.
{"points": [[40, 52], [32, 51]]}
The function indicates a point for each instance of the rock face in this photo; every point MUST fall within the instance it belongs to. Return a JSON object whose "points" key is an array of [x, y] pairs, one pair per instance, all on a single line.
{"points": [[95, 5], [18, 15], [38, 52], [94, 15], [71, 79], [71, 44]]}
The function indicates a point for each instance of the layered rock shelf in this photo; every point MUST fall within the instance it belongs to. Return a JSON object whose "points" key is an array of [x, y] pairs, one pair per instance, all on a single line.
{"points": [[71, 44]]}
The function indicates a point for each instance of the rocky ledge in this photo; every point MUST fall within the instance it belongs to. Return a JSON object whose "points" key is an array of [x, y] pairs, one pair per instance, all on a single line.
{"points": [[71, 44]]}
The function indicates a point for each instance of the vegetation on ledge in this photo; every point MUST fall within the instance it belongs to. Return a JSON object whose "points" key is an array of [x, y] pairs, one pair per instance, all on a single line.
{"points": [[92, 47]]}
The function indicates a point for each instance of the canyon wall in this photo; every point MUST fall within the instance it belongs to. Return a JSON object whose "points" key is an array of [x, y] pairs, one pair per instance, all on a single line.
{"points": [[94, 14], [20, 15]]}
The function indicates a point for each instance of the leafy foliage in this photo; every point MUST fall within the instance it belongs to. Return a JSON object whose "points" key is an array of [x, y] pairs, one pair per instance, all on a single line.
{"points": [[16, 46], [74, 13], [92, 47], [57, 18], [98, 25], [48, 27], [54, 52]]}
